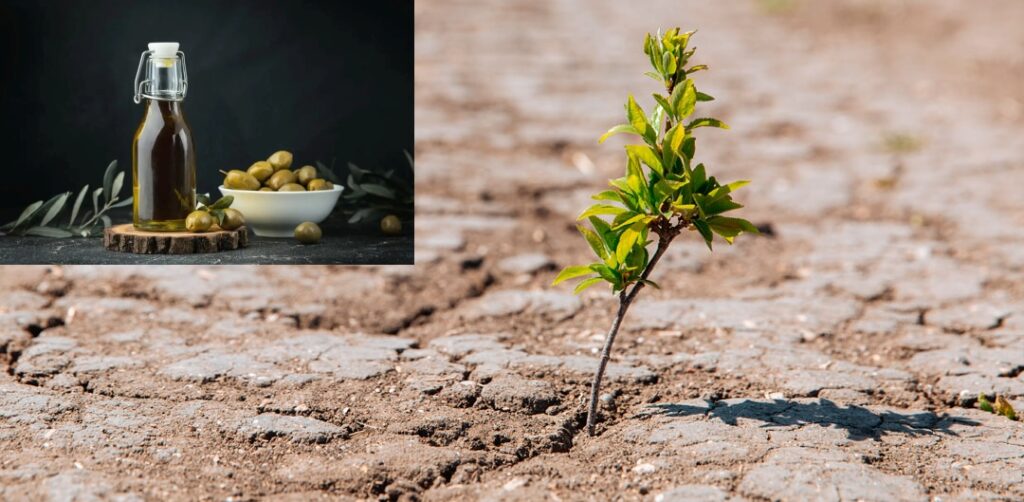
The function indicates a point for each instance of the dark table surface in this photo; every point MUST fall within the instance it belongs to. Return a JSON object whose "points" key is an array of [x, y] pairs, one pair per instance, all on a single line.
{"points": [[341, 244]]}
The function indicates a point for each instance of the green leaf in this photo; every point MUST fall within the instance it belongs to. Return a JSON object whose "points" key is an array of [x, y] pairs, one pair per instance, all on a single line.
{"points": [[647, 155], [609, 195], [77, 205], [634, 219], [586, 284], [621, 128], [116, 187], [126, 202], [665, 105], [626, 241], [668, 63], [594, 240], [572, 273], [686, 100], [223, 203], [638, 120], [670, 150], [697, 68], [378, 190], [704, 97], [610, 238], [51, 232], [705, 232], [736, 185], [698, 178], [95, 200], [654, 75], [408, 158], [598, 209], [720, 206], [706, 122], [729, 228], [218, 214], [607, 273], [356, 170], [689, 147], [364, 214], [108, 180], [684, 209], [28, 213], [55, 208]]}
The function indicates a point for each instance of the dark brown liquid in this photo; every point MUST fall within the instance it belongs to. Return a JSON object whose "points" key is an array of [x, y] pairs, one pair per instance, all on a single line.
{"points": [[163, 168]]}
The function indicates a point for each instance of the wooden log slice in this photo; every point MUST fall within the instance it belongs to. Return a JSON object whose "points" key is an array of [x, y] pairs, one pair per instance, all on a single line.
{"points": [[128, 239]]}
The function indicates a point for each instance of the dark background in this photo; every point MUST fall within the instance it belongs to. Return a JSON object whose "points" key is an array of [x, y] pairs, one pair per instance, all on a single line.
{"points": [[326, 80]]}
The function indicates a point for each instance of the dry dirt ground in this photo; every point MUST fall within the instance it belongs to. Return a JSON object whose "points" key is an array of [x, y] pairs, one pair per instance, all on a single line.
{"points": [[837, 359]]}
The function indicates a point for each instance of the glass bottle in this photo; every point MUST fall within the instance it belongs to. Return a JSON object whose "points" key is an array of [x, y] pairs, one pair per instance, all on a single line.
{"points": [[163, 155]]}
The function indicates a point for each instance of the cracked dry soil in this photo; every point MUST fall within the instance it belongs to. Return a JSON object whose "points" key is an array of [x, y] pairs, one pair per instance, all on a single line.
{"points": [[826, 361]]}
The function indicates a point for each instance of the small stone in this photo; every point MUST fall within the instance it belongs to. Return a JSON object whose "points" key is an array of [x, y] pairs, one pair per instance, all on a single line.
{"points": [[528, 263], [519, 395], [297, 429], [644, 468]]}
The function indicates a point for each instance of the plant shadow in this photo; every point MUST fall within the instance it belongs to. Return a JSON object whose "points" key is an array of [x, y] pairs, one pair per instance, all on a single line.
{"points": [[859, 423]]}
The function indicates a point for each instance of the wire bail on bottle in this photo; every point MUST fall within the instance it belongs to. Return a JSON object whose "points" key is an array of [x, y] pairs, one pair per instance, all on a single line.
{"points": [[160, 75]]}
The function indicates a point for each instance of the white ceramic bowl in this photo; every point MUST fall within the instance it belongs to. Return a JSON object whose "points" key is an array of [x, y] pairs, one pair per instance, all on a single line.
{"points": [[276, 214]]}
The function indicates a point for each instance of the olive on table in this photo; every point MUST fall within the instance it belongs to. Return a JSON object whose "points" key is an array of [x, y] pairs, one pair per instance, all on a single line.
{"points": [[261, 170], [233, 219], [240, 180], [198, 221], [292, 187], [280, 179], [319, 184], [308, 233], [391, 225], [281, 159], [305, 174]]}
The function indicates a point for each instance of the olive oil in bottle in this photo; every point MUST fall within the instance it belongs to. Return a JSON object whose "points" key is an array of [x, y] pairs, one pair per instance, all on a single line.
{"points": [[163, 155]]}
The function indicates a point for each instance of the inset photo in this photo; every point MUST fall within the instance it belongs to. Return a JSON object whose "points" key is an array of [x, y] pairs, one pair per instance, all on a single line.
{"points": [[210, 132]]}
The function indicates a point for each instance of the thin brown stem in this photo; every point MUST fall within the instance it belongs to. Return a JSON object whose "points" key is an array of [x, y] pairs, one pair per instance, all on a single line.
{"points": [[665, 236]]}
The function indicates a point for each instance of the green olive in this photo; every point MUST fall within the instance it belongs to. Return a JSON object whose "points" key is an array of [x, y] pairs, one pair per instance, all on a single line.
{"points": [[233, 219], [280, 179], [281, 159], [266, 189], [308, 233], [240, 180], [198, 221], [305, 174], [261, 170], [391, 225], [319, 184], [292, 187]]}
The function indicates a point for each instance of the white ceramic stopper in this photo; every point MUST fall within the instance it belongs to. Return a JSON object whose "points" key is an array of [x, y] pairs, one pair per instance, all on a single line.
{"points": [[164, 49]]}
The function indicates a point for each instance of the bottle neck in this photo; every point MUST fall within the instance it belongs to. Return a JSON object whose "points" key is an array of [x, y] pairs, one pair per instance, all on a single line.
{"points": [[161, 78]]}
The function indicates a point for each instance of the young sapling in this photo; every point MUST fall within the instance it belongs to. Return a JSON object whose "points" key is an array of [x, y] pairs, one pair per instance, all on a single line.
{"points": [[662, 193]]}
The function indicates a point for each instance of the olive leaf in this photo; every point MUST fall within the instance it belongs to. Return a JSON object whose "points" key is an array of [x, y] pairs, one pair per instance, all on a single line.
{"points": [[223, 202], [38, 218], [108, 180], [48, 232], [372, 194], [78, 204]]}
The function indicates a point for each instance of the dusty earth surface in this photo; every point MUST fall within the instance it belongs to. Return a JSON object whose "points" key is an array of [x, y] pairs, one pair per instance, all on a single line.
{"points": [[836, 359]]}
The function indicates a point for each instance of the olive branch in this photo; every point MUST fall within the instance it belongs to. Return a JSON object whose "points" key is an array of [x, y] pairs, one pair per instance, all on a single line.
{"points": [[40, 218], [669, 196]]}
